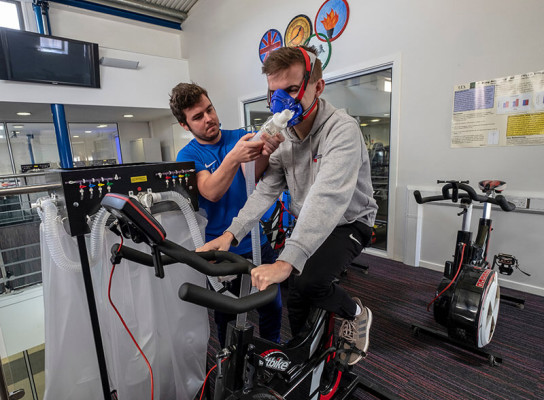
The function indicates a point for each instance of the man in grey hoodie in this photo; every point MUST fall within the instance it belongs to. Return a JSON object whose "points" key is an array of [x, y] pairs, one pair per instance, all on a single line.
{"points": [[325, 165]]}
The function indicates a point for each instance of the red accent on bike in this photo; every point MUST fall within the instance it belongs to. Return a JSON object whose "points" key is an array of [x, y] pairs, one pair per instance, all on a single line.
{"points": [[334, 388], [453, 280]]}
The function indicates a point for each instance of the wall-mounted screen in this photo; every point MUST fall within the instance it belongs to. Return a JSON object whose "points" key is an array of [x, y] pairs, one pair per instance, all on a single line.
{"points": [[32, 57]]}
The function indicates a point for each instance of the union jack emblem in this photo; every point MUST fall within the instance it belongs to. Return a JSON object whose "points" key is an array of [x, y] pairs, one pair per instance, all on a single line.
{"points": [[270, 41]]}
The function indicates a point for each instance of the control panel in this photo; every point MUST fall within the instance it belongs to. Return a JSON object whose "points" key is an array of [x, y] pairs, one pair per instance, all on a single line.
{"points": [[84, 188]]}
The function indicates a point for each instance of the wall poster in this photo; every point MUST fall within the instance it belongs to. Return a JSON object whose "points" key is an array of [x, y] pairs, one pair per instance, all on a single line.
{"points": [[506, 111]]}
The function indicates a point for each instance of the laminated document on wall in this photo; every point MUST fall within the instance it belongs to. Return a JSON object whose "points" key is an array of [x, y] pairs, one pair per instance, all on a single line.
{"points": [[507, 111]]}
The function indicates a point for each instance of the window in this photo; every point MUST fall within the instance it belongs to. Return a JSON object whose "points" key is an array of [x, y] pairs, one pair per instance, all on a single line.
{"points": [[10, 15], [367, 98], [95, 144], [33, 143]]}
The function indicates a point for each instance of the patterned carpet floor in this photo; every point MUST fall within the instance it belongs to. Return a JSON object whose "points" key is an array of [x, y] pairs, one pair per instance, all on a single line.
{"points": [[423, 367]]}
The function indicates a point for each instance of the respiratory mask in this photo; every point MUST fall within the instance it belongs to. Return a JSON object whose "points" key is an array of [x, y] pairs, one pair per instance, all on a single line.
{"points": [[281, 100]]}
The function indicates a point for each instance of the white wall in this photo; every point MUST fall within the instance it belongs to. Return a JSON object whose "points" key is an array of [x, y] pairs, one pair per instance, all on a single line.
{"points": [[163, 130], [434, 46], [16, 333], [133, 130]]}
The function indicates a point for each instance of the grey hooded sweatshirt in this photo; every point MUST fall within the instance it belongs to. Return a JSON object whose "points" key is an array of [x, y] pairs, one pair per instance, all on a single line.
{"points": [[328, 176]]}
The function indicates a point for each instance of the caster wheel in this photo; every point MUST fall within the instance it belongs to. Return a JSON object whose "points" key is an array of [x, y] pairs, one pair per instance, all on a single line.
{"points": [[521, 306], [415, 331]]}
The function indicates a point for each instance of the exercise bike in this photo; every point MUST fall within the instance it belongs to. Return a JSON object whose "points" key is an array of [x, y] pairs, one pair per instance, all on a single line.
{"points": [[468, 296], [308, 367]]}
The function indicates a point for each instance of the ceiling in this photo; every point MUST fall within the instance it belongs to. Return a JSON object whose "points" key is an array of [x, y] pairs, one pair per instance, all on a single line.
{"points": [[172, 10], [79, 113], [178, 5]]}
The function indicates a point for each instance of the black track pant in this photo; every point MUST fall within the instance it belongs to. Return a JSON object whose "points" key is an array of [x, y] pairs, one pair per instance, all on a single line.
{"points": [[315, 287]]}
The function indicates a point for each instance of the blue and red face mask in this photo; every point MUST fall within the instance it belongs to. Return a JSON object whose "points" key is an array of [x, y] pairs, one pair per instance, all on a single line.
{"points": [[281, 100]]}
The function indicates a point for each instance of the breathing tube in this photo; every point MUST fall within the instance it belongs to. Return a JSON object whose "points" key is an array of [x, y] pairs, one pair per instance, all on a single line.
{"points": [[182, 200], [47, 210], [273, 125]]}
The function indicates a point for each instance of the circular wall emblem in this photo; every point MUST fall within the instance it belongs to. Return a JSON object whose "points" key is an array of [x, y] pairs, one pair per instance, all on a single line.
{"points": [[323, 45], [270, 41], [332, 18], [298, 31]]}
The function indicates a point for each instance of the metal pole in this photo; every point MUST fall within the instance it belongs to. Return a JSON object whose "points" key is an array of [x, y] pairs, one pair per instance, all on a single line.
{"points": [[29, 189], [36, 6], [30, 375], [31, 175], [30, 150], [63, 139], [41, 10], [87, 279], [10, 150]]}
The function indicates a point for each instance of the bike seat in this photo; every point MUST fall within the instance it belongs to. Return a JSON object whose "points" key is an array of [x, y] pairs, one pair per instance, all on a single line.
{"points": [[492, 185]]}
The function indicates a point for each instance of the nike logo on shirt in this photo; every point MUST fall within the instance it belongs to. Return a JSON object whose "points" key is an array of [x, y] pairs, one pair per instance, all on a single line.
{"points": [[210, 164]]}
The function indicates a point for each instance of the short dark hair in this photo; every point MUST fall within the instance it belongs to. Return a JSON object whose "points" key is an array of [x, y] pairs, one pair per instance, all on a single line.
{"points": [[284, 57], [183, 96]]}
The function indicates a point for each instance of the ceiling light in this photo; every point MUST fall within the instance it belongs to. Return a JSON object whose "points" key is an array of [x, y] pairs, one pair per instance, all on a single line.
{"points": [[375, 120], [18, 126], [1, 137], [1, 127], [24, 113], [128, 116], [88, 131], [257, 119], [76, 136], [102, 126], [386, 115], [364, 124]]}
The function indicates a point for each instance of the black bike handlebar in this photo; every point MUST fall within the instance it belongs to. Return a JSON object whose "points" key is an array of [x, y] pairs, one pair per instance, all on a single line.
{"points": [[226, 263], [216, 301], [450, 191]]}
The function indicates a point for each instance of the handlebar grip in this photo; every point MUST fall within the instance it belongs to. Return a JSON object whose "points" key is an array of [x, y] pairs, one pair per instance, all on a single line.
{"points": [[138, 256], [504, 204], [230, 264], [421, 200], [216, 301]]}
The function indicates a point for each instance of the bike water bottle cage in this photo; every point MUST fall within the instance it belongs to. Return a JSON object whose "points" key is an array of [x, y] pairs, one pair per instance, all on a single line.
{"points": [[280, 100]]}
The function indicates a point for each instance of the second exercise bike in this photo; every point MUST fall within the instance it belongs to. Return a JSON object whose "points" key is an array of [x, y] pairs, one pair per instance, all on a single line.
{"points": [[468, 296]]}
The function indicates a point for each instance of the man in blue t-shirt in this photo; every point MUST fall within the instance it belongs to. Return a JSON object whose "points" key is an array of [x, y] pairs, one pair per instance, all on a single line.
{"points": [[219, 156]]}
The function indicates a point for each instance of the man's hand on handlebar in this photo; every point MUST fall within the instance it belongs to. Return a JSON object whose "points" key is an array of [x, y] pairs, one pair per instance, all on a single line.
{"points": [[267, 274], [222, 243]]}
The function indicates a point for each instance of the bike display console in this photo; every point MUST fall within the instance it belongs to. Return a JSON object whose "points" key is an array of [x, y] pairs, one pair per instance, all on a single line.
{"points": [[84, 188]]}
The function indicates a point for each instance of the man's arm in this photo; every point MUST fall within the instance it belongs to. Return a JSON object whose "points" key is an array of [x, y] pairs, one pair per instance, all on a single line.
{"points": [[270, 145], [266, 192], [213, 186]]}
